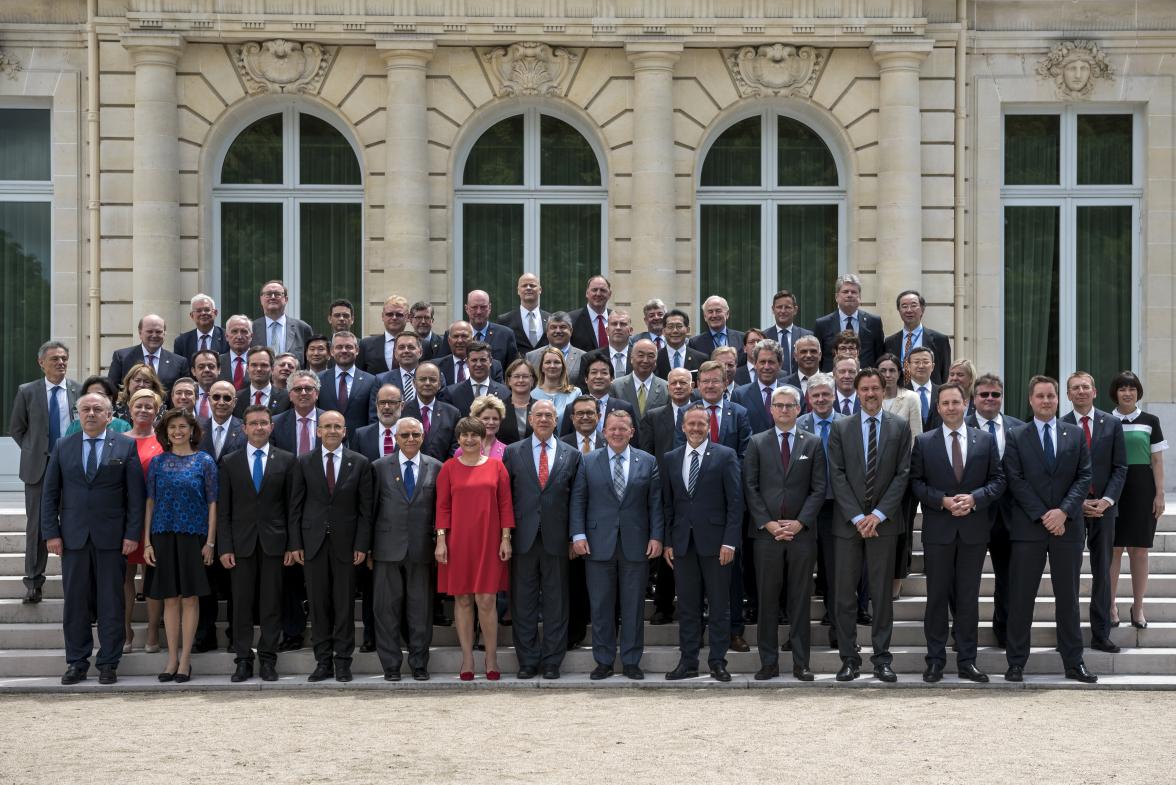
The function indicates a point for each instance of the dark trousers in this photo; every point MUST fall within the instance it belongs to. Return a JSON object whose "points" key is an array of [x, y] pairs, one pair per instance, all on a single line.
{"points": [[878, 555], [85, 570], [1000, 548], [330, 589], [402, 601], [363, 582], [256, 581], [735, 605], [696, 576], [538, 584], [953, 576], [776, 561], [906, 540], [663, 586], [579, 610], [608, 582], [220, 585], [36, 554], [1026, 566], [1100, 541], [293, 601], [827, 560]]}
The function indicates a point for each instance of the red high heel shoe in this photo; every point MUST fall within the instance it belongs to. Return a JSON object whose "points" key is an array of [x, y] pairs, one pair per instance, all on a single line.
{"points": [[493, 675], [466, 675]]}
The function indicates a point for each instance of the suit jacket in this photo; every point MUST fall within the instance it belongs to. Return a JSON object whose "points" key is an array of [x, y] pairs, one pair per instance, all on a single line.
{"points": [[433, 348], [933, 478], [625, 388], [573, 359], [607, 353], [713, 513], [508, 431], [870, 334], [584, 330], [703, 342], [440, 443], [541, 510], [29, 425], [226, 368], [346, 514], [285, 433], [246, 516], [394, 377], [660, 431], [298, 333], [370, 356], [105, 510], [935, 341], [749, 397], [614, 403], [403, 528], [171, 365], [462, 395], [447, 367], [847, 459], [691, 362], [734, 427], [502, 343], [279, 400], [187, 344], [368, 441], [1108, 457], [363, 390], [513, 320], [1036, 490], [1005, 503], [608, 522], [574, 440], [773, 333], [933, 420], [774, 494], [234, 438]]}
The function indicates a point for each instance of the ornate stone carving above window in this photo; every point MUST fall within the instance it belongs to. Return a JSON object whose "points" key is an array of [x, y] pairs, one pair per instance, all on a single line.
{"points": [[775, 69], [10, 65], [281, 66], [529, 68], [1074, 67]]}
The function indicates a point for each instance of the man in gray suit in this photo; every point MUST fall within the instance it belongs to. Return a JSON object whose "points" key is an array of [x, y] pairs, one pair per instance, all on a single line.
{"points": [[870, 459], [276, 329], [559, 335], [402, 551], [542, 473], [41, 413], [640, 387], [616, 523]]}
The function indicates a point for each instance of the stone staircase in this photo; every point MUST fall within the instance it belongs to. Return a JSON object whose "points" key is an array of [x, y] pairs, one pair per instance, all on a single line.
{"points": [[31, 642]]}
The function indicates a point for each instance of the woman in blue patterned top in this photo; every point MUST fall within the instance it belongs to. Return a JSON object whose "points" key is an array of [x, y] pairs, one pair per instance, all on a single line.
{"points": [[181, 533]]}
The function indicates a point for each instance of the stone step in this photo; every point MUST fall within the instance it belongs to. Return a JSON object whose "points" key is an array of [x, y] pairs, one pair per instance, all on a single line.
{"points": [[1158, 563], [1157, 585]]}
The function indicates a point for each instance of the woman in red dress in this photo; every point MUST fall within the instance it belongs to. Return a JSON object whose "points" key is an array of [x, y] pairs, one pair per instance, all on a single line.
{"points": [[474, 519], [143, 407]]}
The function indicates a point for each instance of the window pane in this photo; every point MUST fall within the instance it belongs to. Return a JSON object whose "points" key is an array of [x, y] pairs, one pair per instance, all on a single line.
{"points": [[734, 158], [497, 156], [1104, 295], [807, 256], [569, 252], [324, 155], [251, 253], [492, 250], [804, 159], [1030, 300], [730, 264], [1031, 149], [1104, 149], [255, 158], [566, 158], [24, 145], [330, 246], [24, 309]]}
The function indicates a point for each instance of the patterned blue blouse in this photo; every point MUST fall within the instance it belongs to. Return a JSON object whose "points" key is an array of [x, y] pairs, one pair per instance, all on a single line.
{"points": [[182, 487]]}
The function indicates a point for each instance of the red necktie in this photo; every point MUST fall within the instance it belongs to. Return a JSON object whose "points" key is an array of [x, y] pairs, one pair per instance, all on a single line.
{"points": [[714, 423], [343, 391], [239, 374], [768, 400], [543, 470], [331, 473], [151, 361], [1086, 430], [601, 335], [425, 420], [257, 398], [461, 371], [204, 343], [204, 406], [387, 441], [304, 436]]}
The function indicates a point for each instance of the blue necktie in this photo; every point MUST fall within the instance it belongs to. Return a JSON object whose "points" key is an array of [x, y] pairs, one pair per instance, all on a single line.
{"points": [[1048, 446], [924, 405], [992, 428], [54, 416], [257, 470], [677, 359], [409, 480], [825, 435], [719, 339], [92, 459]]}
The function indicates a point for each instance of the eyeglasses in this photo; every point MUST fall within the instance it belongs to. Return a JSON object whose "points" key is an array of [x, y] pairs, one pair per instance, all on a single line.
{"points": [[395, 314], [221, 397], [302, 390], [388, 403], [273, 295], [409, 435], [785, 405], [989, 394]]}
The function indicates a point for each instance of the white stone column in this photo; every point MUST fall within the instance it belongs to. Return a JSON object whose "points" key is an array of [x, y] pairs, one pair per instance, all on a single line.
{"points": [[652, 254], [155, 212], [900, 185], [406, 172]]}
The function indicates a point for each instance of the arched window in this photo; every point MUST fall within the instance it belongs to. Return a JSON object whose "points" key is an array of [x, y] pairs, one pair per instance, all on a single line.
{"points": [[530, 198], [288, 204], [771, 215]]}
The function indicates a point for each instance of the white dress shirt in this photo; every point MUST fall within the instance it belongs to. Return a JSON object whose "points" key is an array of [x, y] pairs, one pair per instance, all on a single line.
{"points": [[701, 450], [269, 328], [338, 453], [535, 451], [998, 422], [63, 412], [389, 350], [252, 451], [963, 432]]}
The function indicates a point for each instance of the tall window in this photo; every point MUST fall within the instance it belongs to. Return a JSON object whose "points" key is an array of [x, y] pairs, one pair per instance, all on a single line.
{"points": [[771, 208], [288, 202], [26, 196], [1072, 193], [530, 199]]}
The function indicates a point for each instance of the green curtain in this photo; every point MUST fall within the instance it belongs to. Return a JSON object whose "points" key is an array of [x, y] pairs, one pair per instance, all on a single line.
{"points": [[806, 263], [1104, 289], [803, 159], [251, 253], [734, 158], [730, 263], [497, 157], [24, 144], [1030, 300], [255, 157], [330, 248], [324, 156], [492, 251], [1032, 149], [1104, 149], [569, 252], [565, 157], [24, 310]]}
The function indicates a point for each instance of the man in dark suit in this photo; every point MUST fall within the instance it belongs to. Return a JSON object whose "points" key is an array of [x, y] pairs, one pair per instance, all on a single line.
{"points": [[702, 504], [41, 414], [1048, 469], [462, 394], [222, 431], [376, 353], [528, 322], [330, 533], [345, 388], [914, 333], [500, 339], [261, 390], [542, 472], [403, 378], [92, 517], [590, 323], [585, 438], [205, 336], [433, 346], [616, 350], [598, 379], [437, 417], [616, 523], [252, 517], [785, 331], [715, 312], [1108, 460], [654, 314], [402, 552], [379, 439], [205, 371], [848, 316], [746, 370], [785, 477], [756, 395], [845, 399], [640, 387], [235, 360], [168, 366], [559, 335], [870, 459], [956, 475], [677, 353], [920, 365], [806, 357], [454, 366], [276, 329]]}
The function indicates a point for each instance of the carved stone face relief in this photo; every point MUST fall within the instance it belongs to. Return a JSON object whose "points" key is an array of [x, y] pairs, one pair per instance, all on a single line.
{"points": [[9, 65], [1074, 67], [529, 68], [281, 66], [775, 69]]}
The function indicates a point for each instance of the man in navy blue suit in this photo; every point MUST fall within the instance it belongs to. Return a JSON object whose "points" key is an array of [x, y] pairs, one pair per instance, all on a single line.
{"points": [[205, 336], [345, 388], [500, 339], [716, 311], [848, 316]]}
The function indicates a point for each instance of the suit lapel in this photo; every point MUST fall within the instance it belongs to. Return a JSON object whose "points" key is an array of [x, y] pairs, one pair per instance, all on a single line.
{"points": [[344, 470], [795, 453]]}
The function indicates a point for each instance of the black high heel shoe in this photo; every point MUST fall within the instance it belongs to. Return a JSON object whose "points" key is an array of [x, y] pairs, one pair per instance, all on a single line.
{"points": [[1139, 625], [181, 678]]}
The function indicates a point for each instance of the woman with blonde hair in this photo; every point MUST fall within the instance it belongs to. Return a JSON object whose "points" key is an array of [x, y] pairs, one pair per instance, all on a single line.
{"points": [[490, 411], [553, 382], [144, 406], [138, 377]]}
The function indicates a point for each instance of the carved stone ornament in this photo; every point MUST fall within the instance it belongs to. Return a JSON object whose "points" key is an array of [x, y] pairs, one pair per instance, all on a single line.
{"points": [[529, 68], [1074, 66], [10, 65], [281, 66], [775, 69]]}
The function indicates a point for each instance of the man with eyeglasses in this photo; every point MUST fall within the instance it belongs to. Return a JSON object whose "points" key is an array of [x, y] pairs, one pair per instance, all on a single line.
{"points": [[276, 329], [433, 346], [261, 390], [585, 437], [919, 364], [378, 440], [206, 370], [598, 379], [206, 335], [676, 353], [377, 353], [234, 361], [911, 306], [168, 366]]}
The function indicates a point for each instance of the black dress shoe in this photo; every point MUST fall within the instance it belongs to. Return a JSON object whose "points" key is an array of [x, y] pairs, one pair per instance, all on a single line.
{"points": [[1015, 673], [293, 643], [970, 672], [786, 645], [367, 647], [767, 672], [719, 672], [244, 671], [864, 618], [633, 672], [885, 673], [826, 621], [269, 671], [322, 672], [660, 617], [1102, 644], [682, 671], [528, 672], [32, 597], [849, 671], [1079, 673], [73, 674], [738, 644], [550, 671], [933, 673], [600, 672], [166, 676], [420, 674], [107, 675], [203, 646], [183, 678], [343, 672], [392, 674], [802, 673]]}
